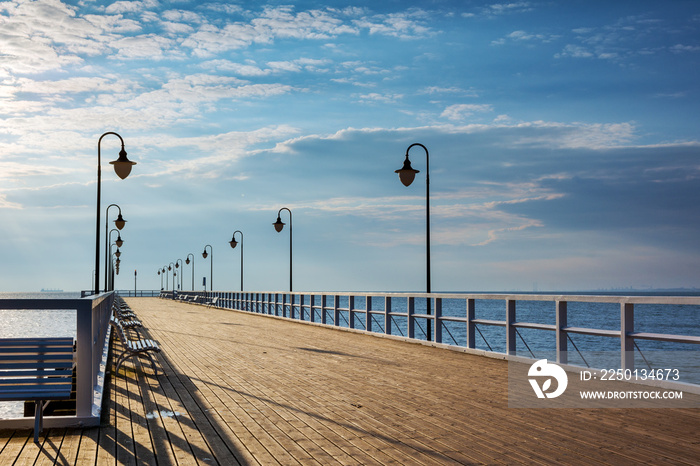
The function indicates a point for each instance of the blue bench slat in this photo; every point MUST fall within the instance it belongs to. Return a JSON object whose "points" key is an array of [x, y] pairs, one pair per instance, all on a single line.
{"points": [[37, 357], [38, 365], [36, 341], [33, 373]]}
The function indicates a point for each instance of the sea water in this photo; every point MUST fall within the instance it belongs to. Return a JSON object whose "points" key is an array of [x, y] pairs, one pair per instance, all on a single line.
{"points": [[20, 323]]}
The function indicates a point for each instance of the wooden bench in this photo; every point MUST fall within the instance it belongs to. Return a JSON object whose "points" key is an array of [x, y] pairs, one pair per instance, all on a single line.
{"points": [[133, 347], [212, 302], [37, 369]]}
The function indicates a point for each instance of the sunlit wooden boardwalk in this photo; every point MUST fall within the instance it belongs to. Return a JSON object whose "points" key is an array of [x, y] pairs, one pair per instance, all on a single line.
{"points": [[246, 389]]}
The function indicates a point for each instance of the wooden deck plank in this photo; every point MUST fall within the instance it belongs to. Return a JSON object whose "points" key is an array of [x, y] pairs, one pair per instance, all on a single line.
{"points": [[125, 453], [239, 388], [87, 451], [143, 446], [522, 451]]}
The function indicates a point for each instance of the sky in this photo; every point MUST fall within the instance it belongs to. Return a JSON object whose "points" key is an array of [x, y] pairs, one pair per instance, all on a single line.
{"points": [[563, 143]]}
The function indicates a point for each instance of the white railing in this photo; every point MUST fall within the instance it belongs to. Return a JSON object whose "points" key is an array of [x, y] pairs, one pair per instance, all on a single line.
{"points": [[402, 315], [92, 344]]}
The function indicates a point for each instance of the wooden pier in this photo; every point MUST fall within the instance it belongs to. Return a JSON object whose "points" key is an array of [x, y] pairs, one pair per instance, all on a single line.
{"points": [[240, 388]]}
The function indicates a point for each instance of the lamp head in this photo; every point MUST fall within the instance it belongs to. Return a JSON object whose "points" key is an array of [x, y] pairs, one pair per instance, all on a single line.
{"points": [[158, 271], [118, 253], [205, 254], [279, 224], [119, 241], [177, 265], [170, 268], [122, 166], [233, 241], [406, 173], [119, 222], [187, 261]]}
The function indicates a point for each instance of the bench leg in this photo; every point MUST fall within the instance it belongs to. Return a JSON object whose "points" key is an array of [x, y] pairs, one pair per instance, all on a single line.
{"points": [[127, 354], [38, 418], [122, 357], [153, 363]]}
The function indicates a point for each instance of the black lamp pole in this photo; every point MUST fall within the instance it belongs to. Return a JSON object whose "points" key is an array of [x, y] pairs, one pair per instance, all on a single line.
{"points": [[407, 175], [278, 227], [122, 166], [211, 262], [119, 223], [187, 261], [233, 244]]}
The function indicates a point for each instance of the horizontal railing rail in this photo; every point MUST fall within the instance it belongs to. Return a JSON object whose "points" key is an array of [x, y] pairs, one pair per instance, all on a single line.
{"points": [[92, 344], [469, 320], [138, 293]]}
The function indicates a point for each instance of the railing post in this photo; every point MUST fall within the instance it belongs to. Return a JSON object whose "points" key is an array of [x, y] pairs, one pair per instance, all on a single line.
{"points": [[277, 298], [437, 337], [301, 307], [323, 309], [387, 315], [510, 330], [626, 342], [368, 313], [336, 310], [410, 310], [284, 305], [351, 312], [471, 327], [85, 345], [561, 324], [312, 303]]}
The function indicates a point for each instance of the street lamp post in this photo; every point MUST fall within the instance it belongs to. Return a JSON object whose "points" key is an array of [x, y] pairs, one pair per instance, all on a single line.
{"points": [[187, 261], [116, 254], [119, 223], [278, 227], [122, 167], [211, 261], [170, 268], [119, 242], [161, 280], [233, 244], [182, 271], [407, 174], [165, 271]]}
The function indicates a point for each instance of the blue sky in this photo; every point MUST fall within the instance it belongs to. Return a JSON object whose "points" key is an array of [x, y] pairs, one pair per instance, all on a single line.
{"points": [[563, 139]]}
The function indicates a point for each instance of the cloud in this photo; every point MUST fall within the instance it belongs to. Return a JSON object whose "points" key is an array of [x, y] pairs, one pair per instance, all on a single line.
{"points": [[375, 97], [525, 37], [130, 6], [432, 90], [408, 25], [272, 23], [5, 204], [497, 9], [459, 112], [251, 69]]}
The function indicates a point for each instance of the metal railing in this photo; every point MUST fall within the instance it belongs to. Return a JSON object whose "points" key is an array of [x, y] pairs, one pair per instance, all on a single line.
{"points": [[92, 344], [402, 315], [138, 293]]}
